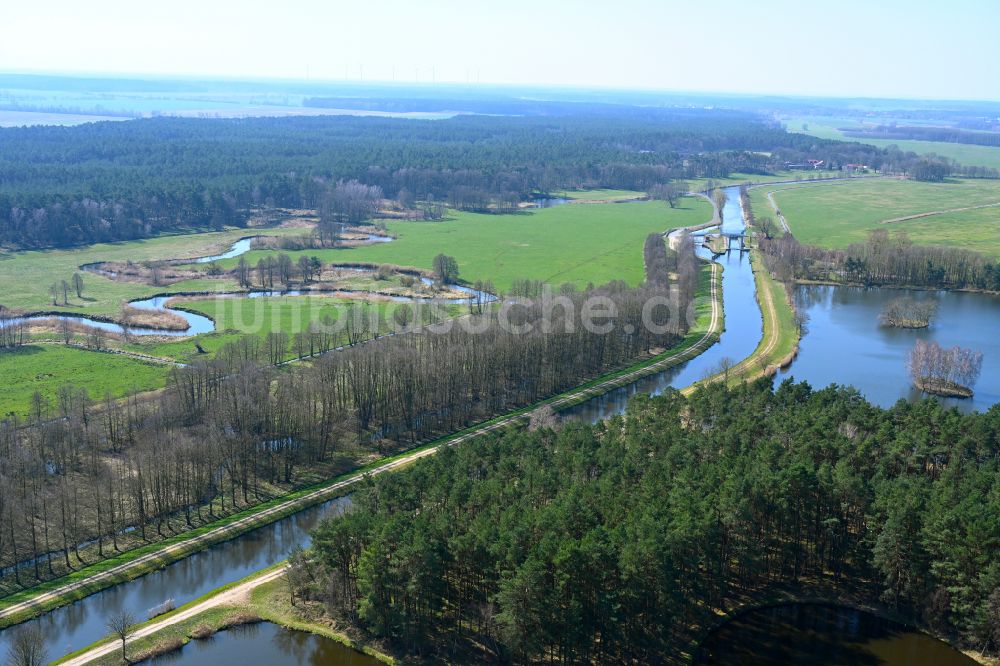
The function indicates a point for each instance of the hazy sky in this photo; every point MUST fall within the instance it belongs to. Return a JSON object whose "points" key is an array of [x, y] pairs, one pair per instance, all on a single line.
{"points": [[910, 48]]}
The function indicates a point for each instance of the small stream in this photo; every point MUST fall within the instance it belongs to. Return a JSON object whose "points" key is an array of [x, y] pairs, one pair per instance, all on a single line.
{"points": [[83, 622]]}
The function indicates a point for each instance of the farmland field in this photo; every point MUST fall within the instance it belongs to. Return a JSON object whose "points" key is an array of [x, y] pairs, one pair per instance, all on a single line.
{"points": [[838, 214], [571, 243], [46, 368]]}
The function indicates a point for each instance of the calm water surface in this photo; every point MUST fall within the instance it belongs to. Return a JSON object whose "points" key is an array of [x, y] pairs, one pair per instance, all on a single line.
{"points": [[845, 344], [819, 634], [75, 626], [744, 327], [265, 644]]}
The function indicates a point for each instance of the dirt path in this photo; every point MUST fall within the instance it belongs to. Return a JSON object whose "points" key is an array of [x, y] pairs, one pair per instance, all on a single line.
{"points": [[917, 216], [159, 360], [777, 211], [806, 183], [232, 596]]}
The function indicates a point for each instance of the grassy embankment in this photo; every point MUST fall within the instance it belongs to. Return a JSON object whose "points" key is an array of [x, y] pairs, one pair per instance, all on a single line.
{"points": [[780, 336], [269, 601], [159, 554], [780, 339], [837, 214], [965, 154], [580, 244], [258, 597]]}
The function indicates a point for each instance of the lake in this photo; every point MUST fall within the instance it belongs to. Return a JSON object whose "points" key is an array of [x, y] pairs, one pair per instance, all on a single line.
{"points": [[845, 344]]}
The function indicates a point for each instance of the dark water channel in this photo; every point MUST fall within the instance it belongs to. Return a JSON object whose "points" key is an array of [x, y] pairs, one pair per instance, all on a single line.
{"points": [[820, 634]]}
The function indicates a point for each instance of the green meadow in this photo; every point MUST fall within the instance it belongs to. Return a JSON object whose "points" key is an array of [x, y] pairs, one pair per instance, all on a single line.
{"points": [[838, 214], [26, 276], [577, 243], [235, 317], [599, 195], [44, 368]]}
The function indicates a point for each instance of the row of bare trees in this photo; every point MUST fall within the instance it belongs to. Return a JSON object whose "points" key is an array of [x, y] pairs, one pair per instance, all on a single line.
{"points": [[346, 203], [230, 431], [13, 329]]}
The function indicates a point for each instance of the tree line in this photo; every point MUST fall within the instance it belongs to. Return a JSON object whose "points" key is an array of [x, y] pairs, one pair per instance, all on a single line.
{"points": [[883, 260], [615, 543]]}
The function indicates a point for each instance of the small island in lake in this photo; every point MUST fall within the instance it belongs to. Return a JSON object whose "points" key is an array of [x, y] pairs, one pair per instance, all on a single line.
{"points": [[945, 372], [908, 312]]}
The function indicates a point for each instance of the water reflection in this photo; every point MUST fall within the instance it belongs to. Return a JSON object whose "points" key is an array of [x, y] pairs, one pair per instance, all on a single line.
{"points": [[845, 344], [265, 645], [820, 634], [74, 626]]}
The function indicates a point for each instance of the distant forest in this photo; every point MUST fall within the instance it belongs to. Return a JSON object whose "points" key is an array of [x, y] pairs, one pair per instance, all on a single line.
{"points": [[618, 542], [62, 186]]}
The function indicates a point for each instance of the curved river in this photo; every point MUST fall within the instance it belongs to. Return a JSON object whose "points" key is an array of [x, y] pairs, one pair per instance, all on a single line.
{"points": [[198, 324], [743, 329]]}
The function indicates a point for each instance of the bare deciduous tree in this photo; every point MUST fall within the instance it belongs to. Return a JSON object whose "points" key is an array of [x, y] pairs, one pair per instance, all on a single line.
{"points": [[122, 626], [27, 647]]}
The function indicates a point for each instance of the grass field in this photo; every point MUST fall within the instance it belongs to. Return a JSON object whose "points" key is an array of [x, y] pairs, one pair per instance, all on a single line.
{"points": [[235, 317], [598, 195], [570, 243], [26, 276], [46, 368], [965, 154], [837, 214]]}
